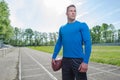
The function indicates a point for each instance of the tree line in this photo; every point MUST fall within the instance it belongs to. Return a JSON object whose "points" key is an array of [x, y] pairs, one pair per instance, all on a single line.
{"points": [[28, 37], [105, 33], [99, 34]]}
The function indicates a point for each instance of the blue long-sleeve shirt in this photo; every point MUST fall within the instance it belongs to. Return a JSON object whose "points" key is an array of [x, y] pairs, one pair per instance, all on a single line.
{"points": [[72, 36]]}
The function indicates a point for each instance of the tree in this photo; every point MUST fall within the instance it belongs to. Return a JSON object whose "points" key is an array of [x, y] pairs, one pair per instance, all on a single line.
{"points": [[29, 34], [37, 38], [6, 30], [112, 32], [118, 35], [45, 38], [52, 38], [96, 34], [9, 34], [104, 29], [16, 35], [55, 35]]}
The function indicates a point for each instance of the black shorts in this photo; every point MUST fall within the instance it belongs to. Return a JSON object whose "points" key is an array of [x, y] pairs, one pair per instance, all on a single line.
{"points": [[70, 69]]}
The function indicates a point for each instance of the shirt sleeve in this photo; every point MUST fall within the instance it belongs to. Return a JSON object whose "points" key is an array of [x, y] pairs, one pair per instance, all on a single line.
{"points": [[58, 45], [87, 42]]}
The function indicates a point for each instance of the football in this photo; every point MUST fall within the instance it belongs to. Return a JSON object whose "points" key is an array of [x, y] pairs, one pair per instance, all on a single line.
{"points": [[57, 65]]}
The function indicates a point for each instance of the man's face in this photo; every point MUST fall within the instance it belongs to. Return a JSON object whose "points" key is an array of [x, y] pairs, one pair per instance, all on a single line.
{"points": [[71, 13]]}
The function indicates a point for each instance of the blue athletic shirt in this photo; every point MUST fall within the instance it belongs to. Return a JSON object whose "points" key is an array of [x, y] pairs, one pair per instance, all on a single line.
{"points": [[72, 36]]}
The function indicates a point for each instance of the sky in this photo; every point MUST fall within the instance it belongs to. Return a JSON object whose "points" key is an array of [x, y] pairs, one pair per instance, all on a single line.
{"points": [[49, 15]]}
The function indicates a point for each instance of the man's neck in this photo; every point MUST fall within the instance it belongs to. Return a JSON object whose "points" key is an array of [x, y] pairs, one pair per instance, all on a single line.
{"points": [[71, 21]]}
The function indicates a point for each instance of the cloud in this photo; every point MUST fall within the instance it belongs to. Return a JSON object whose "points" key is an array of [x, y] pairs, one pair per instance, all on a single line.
{"points": [[82, 14], [13, 7], [42, 15], [15, 22], [49, 15], [108, 14], [57, 6]]}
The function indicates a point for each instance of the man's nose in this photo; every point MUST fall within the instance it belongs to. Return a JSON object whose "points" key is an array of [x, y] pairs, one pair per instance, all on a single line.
{"points": [[73, 12]]}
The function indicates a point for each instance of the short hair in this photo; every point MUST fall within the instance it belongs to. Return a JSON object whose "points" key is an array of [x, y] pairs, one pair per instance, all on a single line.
{"points": [[72, 5]]}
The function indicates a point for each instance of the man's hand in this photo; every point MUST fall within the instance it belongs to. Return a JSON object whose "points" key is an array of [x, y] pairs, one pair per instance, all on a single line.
{"points": [[83, 67], [53, 61]]}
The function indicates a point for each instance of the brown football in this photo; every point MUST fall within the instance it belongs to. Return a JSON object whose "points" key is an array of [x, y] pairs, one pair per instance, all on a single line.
{"points": [[58, 65]]}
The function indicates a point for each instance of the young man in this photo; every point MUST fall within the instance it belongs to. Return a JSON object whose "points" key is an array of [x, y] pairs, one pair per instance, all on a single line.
{"points": [[72, 36]]}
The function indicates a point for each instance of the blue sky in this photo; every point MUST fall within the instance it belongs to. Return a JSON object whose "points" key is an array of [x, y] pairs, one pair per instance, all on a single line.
{"points": [[49, 15]]}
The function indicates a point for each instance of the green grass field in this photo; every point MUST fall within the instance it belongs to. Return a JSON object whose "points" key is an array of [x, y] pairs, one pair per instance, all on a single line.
{"points": [[100, 54]]}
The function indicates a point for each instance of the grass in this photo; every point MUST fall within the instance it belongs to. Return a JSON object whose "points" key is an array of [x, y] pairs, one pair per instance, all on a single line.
{"points": [[106, 54], [48, 49], [100, 54]]}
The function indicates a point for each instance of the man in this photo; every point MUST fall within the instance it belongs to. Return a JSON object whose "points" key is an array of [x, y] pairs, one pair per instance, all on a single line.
{"points": [[72, 36]]}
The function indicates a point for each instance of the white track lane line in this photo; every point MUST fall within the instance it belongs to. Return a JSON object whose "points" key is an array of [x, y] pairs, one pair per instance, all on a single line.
{"points": [[53, 77], [33, 75], [103, 71], [19, 64], [31, 69]]}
